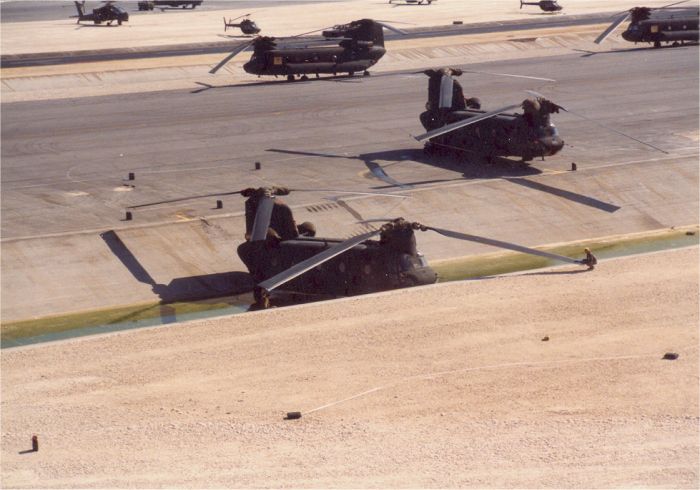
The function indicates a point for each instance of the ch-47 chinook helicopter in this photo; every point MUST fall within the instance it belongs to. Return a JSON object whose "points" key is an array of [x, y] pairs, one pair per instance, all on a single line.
{"points": [[106, 13], [667, 24], [412, 2], [545, 5], [247, 26], [281, 255], [456, 124], [360, 46]]}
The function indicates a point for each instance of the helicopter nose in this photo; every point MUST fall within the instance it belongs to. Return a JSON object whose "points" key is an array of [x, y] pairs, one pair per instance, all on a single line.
{"points": [[553, 144], [631, 36]]}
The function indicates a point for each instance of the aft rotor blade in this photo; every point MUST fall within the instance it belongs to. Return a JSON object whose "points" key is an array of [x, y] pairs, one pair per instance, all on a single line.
{"points": [[501, 244], [671, 4], [611, 28], [537, 94], [349, 192], [262, 219], [228, 58], [465, 122], [392, 28], [508, 75], [446, 92], [316, 260], [168, 201]]}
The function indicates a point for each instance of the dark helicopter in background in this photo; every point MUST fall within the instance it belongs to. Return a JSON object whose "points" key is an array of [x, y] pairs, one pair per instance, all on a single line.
{"points": [[457, 124], [545, 5], [281, 255], [247, 26], [151, 4], [360, 46], [667, 24], [106, 13]]}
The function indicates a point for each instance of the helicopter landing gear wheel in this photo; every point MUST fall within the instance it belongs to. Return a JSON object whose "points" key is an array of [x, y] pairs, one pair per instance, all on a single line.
{"points": [[366, 73], [351, 74], [119, 22], [657, 44], [318, 76], [262, 299], [304, 78], [290, 78]]}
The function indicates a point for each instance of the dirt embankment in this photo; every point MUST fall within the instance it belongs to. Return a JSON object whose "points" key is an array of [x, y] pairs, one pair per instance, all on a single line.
{"points": [[444, 386]]}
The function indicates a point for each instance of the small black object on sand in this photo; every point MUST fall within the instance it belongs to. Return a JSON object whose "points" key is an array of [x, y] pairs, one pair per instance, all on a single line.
{"points": [[293, 415]]}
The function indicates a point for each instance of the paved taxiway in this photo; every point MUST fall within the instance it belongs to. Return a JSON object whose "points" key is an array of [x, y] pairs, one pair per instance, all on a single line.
{"points": [[64, 161]]}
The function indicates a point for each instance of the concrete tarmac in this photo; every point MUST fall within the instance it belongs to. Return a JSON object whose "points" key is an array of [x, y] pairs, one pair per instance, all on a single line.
{"points": [[65, 161]]}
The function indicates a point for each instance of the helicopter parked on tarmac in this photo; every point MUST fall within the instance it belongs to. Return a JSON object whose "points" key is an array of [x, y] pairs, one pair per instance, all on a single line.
{"points": [[412, 2], [360, 46], [151, 4], [545, 5], [106, 13], [247, 26], [457, 124], [667, 24], [281, 255]]}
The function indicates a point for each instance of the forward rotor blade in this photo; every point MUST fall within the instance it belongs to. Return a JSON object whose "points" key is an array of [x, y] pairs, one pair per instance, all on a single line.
{"points": [[228, 58], [501, 244], [614, 130], [537, 94], [392, 28], [168, 201], [262, 219], [311, 262], [460, 124], [611, 28], [508, 75], [671, 5]]}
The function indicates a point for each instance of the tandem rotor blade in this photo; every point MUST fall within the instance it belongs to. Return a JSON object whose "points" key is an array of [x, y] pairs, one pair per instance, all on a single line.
{"points": [[262, 219], [537, 94], [228, 58], [509, 75], [311, 262], [446, 92], [501, 244], [611, 28], [392, 28], [465, 122], [168, 201]]}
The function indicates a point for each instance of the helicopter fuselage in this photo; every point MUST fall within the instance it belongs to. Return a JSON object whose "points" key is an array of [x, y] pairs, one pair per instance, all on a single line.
{"points": [[336, 59], [673, 25], [500, 136], [368, 267]]}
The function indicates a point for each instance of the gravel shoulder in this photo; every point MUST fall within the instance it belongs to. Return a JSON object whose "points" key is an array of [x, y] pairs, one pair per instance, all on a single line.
{"points": [[450, 385]]}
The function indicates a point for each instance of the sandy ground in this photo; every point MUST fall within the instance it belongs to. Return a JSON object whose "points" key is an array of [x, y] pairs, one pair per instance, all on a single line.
{"points": [[446, 386]]}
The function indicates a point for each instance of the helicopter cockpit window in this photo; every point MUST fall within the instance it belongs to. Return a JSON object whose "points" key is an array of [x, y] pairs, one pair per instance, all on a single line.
{"points": [[550, 130], [408, 262]]}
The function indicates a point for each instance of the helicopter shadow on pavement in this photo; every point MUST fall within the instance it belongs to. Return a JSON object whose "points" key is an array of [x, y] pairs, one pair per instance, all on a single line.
{"points": [[587, 53], [188, 288], [337, 79], [499, 168]]}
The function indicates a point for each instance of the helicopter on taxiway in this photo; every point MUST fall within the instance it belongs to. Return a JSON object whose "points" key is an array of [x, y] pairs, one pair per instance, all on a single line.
{"points": [[456, 124], [667, 24], [360, 46], [247, 26], [545, 5], [106, 13]]}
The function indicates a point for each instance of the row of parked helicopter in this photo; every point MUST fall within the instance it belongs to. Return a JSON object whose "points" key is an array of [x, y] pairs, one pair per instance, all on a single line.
{"points": [[281, 255]]}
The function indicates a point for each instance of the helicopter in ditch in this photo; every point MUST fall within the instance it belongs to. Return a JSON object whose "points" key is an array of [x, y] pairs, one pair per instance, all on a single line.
{"points": [[544, 5], [247, 25], [360, 46], [106, 13], [281, 255], [455, 124], [668, 24]]}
